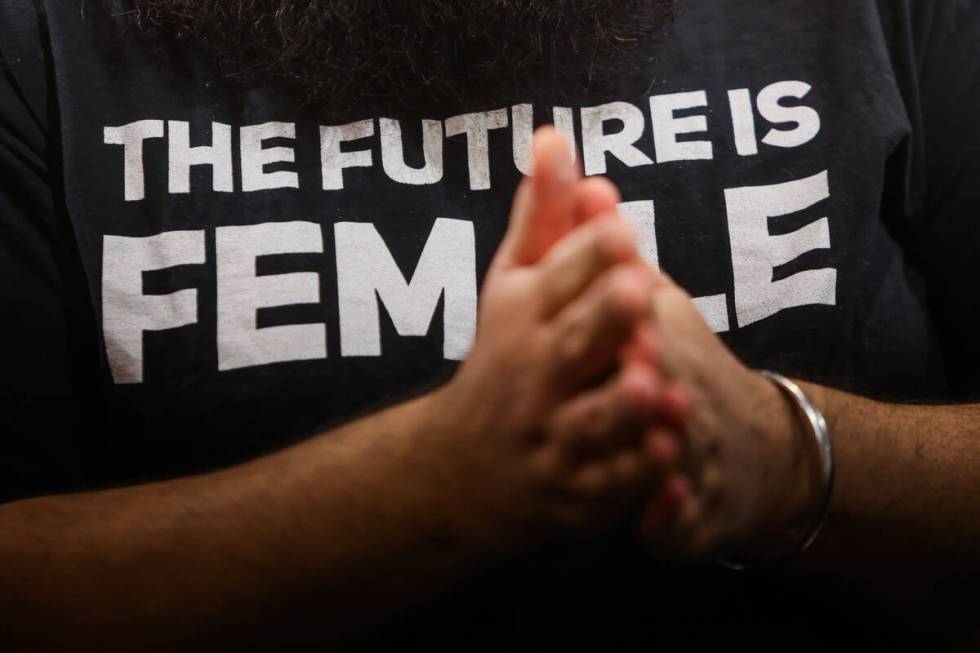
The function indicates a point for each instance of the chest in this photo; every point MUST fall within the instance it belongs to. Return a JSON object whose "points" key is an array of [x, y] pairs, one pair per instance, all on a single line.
{"points": [[257, 269]]}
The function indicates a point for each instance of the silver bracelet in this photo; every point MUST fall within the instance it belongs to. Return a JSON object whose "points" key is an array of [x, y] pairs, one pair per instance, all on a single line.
{"points": [[821, 435]]}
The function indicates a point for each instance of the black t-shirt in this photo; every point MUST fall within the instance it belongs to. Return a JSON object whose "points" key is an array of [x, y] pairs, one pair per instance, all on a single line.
{"points": [[193, 274]]}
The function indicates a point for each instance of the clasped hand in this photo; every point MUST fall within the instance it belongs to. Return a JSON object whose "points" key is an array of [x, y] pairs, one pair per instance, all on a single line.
{"points": [[602, 394]]}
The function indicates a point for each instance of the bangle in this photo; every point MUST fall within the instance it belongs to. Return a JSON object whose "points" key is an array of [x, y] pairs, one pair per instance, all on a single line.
{"points": [[821, 436]]}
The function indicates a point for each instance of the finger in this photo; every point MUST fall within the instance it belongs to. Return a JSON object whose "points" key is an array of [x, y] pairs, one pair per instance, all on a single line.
{"points": [[677, 405], [579, 259], [644, 347], [520, 215], [595, 197], [674, 493], [670, 302], [665, 289], [664, 280], [617, 482], [591, 332], [663, 448], [609, 419], [686, 534], [545, 208]]}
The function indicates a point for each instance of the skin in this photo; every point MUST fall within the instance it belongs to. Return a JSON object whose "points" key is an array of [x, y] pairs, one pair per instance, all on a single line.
{"points": [[573, 409], [349, 527], [904, 519], [907, 476]]}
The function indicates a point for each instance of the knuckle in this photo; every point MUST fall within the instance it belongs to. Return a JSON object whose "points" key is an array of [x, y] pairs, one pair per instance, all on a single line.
{"points": [[636, 399], [624, 296], [613, 241], [589, 433], [557, 426], [572, 343], [591, 483], [634, 468], [550, 467], [593, 420]]}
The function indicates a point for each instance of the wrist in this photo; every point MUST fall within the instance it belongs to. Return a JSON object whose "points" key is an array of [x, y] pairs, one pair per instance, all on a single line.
{"points": [[789, 490], [447, 464]]}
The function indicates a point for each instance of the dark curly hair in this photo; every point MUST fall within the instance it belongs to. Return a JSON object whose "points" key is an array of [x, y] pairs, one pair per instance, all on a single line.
{"points": [[442, 51]]}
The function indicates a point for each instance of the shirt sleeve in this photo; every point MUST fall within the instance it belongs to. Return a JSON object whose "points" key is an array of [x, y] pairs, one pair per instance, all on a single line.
{"points": [[942, 230], [46, 340]]}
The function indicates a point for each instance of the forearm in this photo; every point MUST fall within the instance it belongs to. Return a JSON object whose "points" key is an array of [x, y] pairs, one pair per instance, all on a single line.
{"points": [[346, 528], [908, 479], [326, 535]]}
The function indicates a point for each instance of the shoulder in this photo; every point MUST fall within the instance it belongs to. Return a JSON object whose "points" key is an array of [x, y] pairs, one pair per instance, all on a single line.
{"points": [[927, 24]]}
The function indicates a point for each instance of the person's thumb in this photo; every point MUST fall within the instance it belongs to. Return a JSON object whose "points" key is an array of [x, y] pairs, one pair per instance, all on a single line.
{"points": [[545, 207]]}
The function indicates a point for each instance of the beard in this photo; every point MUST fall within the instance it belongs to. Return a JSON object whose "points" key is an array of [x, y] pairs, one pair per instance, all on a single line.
{"points": [[416, 53]]}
